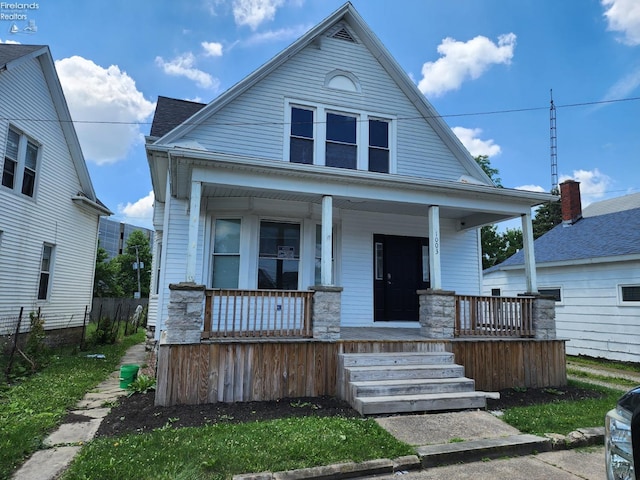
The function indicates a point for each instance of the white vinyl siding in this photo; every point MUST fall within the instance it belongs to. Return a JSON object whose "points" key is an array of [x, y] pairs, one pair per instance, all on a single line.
{"points": [[420, 152], [49, 217], [591, 315]]}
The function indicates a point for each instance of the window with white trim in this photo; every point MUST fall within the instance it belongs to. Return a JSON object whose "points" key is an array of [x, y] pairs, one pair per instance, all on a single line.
{"points": [[226, 253], [334, 137], [46, 267], [20, 163], [279, 255]]}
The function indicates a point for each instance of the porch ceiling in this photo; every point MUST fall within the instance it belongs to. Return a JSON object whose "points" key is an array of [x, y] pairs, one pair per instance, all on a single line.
{"points": [[467, 218]]}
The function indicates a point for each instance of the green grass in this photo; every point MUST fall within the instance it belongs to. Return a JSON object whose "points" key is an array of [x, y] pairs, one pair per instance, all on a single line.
{"points": [[222, 450], [31, 409], [601, 362], [563, 416], [623, 382]]}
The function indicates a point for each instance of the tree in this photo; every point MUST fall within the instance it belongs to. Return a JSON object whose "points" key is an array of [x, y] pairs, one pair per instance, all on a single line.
{"points": [[137, 250], [492, 173], [105, 280], [547, 216]]}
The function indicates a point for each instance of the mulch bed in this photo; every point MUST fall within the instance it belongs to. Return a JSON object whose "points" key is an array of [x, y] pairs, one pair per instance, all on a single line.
{"points": [[137, 413]]}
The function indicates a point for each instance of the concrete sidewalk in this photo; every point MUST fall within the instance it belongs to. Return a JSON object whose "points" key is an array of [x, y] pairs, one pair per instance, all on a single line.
{"points": [[65, 443]]}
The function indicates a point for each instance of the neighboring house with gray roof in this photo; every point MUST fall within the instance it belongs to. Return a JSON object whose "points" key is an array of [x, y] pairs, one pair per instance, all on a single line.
{"points": [[48, 208], [591, 264]]}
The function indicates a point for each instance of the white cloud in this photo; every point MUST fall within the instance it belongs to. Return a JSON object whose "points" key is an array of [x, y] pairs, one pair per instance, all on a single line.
{"points": [[531, 188], [139, 212], [254, 12], [462, 60], [184, 66], [280, 35], [212, 49], [96, 94], [623, 87], [593, 184], [624, 16], [476, 146], [11, 42]]}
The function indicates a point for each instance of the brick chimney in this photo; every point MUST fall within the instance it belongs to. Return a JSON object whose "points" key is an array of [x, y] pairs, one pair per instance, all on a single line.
{"points": [[570, 201]]}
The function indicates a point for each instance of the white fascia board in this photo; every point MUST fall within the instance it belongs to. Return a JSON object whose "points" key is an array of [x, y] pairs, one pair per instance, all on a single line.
{"points": [[96, 207], [66, 123], [576, 262]]}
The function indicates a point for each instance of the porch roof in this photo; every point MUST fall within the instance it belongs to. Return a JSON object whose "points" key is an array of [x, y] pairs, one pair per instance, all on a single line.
{"points": [[232, 176]]}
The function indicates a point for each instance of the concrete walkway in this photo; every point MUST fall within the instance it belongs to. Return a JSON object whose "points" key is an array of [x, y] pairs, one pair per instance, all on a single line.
{"points": [[65, 443]]}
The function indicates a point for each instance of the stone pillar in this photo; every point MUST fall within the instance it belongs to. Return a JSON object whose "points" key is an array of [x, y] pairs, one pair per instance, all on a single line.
{"points": [[186, 314], [544, 318], [437, 313], [325, 312]]}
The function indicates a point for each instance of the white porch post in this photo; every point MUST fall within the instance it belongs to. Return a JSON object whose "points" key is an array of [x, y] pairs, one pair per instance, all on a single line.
{"points": [[327, 240], [434, 247], [194, 224], [529, 256]]}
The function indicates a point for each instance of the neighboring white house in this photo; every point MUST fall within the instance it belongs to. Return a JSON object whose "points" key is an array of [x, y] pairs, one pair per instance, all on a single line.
{"points": [[591, 264], [48, 209], [325, 166]]}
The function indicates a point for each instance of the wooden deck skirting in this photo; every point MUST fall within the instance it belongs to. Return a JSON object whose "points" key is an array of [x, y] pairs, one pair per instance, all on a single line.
{"points": [[257, 313], [269, 369], [494, 316]]}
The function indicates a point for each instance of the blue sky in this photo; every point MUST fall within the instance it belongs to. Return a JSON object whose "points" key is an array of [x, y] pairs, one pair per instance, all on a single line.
{"points": [[486, 65]]}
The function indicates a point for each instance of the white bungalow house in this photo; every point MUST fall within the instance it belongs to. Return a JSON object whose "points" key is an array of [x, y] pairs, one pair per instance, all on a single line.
{"points": [[48, 208], [590, 264], [327, 173]]}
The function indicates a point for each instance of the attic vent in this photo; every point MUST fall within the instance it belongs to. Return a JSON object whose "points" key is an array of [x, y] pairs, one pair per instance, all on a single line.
{"points": [[343, 34]]}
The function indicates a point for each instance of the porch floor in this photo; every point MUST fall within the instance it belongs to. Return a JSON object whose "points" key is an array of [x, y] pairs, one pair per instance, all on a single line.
{"points": [[380, 333]]}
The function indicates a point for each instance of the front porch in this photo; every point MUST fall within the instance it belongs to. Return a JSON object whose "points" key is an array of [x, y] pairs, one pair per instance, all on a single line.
{"points": [[231, 345]]}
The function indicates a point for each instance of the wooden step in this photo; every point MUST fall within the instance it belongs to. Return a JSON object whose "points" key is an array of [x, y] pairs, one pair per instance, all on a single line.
{"points": [[411, 387], [399, 358], [403, 372], [419, 403]]}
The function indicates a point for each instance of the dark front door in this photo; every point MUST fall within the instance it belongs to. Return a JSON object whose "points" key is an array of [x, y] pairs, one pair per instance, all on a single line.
{"points": [[400, 268]]}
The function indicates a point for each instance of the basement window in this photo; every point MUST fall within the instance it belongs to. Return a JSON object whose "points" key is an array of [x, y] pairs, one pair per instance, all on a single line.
{"points": [[630, 293], [556, 293]]}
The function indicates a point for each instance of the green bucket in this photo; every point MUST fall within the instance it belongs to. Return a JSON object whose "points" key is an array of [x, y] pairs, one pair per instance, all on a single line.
{"points": [[128, 374]]}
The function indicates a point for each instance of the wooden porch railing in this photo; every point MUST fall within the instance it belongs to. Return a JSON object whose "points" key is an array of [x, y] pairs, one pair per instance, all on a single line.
{"points": [[494, 316], [257, 313]]}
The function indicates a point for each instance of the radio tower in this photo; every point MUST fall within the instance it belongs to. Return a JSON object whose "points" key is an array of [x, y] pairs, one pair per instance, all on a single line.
{"points": [[554, 146]]}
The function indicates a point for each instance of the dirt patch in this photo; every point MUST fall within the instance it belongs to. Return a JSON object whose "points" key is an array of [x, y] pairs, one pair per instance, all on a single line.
{"points": [[137, 413]]}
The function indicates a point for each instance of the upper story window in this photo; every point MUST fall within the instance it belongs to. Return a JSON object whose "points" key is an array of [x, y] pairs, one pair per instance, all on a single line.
{"points": [[20, 163], [323, 135], [342, 146], [302, 126]]}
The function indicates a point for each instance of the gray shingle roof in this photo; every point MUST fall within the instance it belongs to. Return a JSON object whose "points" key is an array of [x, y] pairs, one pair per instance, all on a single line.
{"points": [[171, 112], [606, 235], [10, 52]]}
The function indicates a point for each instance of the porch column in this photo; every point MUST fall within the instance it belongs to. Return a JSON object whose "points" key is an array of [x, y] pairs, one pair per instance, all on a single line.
{"points": [[529, 255], [194, 224], [434, 248], [326, 275]]}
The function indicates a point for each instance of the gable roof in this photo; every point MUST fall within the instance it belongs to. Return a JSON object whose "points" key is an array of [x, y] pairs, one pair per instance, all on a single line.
{"points": [[347, 13], [171, 112], [11, 56], [592, 238]]}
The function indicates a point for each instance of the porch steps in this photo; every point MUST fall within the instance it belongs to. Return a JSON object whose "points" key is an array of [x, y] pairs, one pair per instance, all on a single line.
{"points": [[383, 383]]}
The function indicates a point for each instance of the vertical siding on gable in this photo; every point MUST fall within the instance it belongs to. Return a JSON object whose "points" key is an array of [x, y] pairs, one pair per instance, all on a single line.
{"points": [[257, 116], [49, 217]]}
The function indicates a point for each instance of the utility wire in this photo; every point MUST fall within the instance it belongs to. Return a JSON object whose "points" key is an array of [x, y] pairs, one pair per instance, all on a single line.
{"points": [[451, 115]]}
